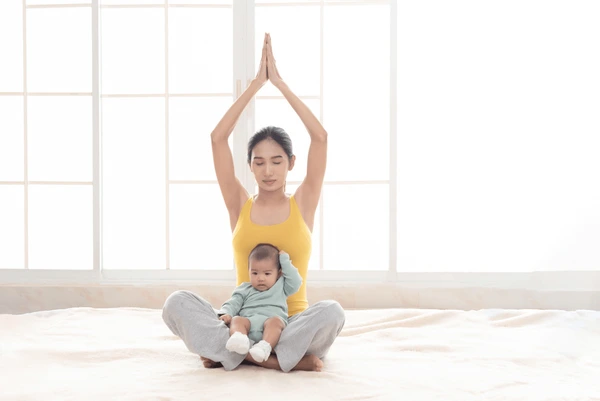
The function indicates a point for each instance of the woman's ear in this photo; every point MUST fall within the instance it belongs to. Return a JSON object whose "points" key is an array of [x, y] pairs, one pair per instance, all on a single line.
{"points": [[292, 162]]}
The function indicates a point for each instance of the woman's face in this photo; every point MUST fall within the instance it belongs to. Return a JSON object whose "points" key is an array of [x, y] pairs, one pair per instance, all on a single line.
{"points": [[270, 165]]}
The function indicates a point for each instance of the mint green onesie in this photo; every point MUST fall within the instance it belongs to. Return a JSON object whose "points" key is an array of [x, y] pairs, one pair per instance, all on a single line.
{"points": [[258, 306]]}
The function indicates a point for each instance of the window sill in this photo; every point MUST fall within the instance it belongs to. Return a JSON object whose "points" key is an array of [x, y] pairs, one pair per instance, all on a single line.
{"points": [[463, 291]]}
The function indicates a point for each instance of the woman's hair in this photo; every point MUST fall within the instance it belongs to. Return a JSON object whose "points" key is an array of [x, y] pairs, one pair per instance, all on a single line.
{"points": [[265, 251], [275, 133]]}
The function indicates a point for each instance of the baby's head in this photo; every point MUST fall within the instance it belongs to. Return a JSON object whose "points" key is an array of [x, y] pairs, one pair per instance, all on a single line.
{"points": [[264, 267]]}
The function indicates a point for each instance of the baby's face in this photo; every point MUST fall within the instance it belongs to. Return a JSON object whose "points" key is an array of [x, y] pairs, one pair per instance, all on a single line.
{"points": [[263, 273]]}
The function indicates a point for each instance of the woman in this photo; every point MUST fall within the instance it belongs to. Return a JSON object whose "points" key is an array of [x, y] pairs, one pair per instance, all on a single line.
{"points": [[273, 217]]}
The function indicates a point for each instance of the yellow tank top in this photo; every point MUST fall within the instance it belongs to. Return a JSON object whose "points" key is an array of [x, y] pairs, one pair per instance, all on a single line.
{"points": [[291, 236]]}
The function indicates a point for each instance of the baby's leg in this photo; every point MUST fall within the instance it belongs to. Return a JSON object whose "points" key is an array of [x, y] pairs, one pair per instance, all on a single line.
{"points": [[240, 324], [238, 329], [271, 332]]}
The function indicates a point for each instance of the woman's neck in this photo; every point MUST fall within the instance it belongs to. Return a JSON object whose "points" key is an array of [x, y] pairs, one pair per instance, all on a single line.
{"points": [[270, 197]]}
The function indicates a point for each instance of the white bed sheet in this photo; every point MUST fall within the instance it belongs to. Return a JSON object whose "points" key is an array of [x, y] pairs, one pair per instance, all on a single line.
{"points": [[394, 354]]}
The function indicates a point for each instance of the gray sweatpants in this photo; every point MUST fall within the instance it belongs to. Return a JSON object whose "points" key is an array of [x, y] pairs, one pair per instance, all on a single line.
{"points": [[194, 320]]}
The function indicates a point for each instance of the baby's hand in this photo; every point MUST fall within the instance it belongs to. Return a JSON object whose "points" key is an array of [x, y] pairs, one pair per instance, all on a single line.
{"points": [[226, 319], [284, 258]]}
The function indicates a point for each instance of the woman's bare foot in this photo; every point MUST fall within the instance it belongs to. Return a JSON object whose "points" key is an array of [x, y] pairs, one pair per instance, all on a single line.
{"points": [[208, 364], [310, 363]]}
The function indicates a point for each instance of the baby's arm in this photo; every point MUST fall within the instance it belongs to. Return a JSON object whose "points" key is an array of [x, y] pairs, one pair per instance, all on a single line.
{"points": [[234, 304], [292, 280]]}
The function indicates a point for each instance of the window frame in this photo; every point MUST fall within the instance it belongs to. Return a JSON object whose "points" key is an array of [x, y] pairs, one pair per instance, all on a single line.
{"points": [[243, 72]]}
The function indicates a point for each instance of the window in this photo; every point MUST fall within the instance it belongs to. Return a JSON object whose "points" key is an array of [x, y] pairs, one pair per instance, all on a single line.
{"points": [[321, 42], [498, 136], [46, 155], [456, 144]]}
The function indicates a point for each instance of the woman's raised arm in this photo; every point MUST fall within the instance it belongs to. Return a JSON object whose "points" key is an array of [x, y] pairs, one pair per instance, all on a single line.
{"points": [[309, 192], [234, 193]]}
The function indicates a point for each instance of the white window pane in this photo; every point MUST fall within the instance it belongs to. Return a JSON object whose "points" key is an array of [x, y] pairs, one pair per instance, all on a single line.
{"points": [[12, 141], [356, 92], [59, 50], [212, 2], [11, 46], [198, 65], [498, 144], [314, 263], [50, 2], [191, 121], [61, 227], [356, 227], [137, 2], [133, 50], [12, 228], [295, 34], [280, 114], [259, 2], [59, 138], [134, 183], [355, 2], [200, 235]]}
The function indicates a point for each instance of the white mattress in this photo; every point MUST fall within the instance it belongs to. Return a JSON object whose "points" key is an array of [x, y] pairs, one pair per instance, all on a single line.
{"points": [[397, 354]]}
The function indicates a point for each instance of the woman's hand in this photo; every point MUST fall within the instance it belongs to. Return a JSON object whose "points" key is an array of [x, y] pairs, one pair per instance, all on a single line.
{"points": [[261, 75], [272, 72], [226, 319]]}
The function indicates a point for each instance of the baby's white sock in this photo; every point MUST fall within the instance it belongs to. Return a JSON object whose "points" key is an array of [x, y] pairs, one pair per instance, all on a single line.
{"points": [[260, 351], [239, 343]]}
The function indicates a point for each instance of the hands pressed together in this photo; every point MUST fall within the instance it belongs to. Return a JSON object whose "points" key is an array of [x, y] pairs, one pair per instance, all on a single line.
{"points": [[267, 69]]}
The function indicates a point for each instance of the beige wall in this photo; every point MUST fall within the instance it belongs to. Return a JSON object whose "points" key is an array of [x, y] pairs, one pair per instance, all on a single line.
{"points": [[23, 298]]}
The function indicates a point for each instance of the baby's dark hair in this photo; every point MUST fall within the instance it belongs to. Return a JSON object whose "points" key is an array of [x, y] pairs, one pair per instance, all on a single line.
{"points": [[265, 251]]}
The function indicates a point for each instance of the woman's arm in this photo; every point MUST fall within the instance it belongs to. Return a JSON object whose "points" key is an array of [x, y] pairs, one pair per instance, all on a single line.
{"points": [[234, 193], [309, 192]]}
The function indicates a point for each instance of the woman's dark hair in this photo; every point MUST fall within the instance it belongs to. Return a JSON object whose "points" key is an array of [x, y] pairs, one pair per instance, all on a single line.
{"points": [[275, 133]]}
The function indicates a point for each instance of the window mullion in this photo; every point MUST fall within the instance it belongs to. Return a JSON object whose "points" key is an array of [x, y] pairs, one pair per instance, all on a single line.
{"points": [[241, 61], [321, 216], [167, 172], [25, 162], [96, 194], [393, 184]]}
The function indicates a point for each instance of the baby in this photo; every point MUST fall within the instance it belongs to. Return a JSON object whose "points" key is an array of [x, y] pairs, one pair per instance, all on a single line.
{"points": [[258, 310]]}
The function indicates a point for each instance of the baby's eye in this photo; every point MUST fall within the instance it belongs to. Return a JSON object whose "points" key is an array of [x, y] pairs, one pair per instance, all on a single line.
{"points": [[254, 273], [259, 164], [277, 163], [268, 274]]}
